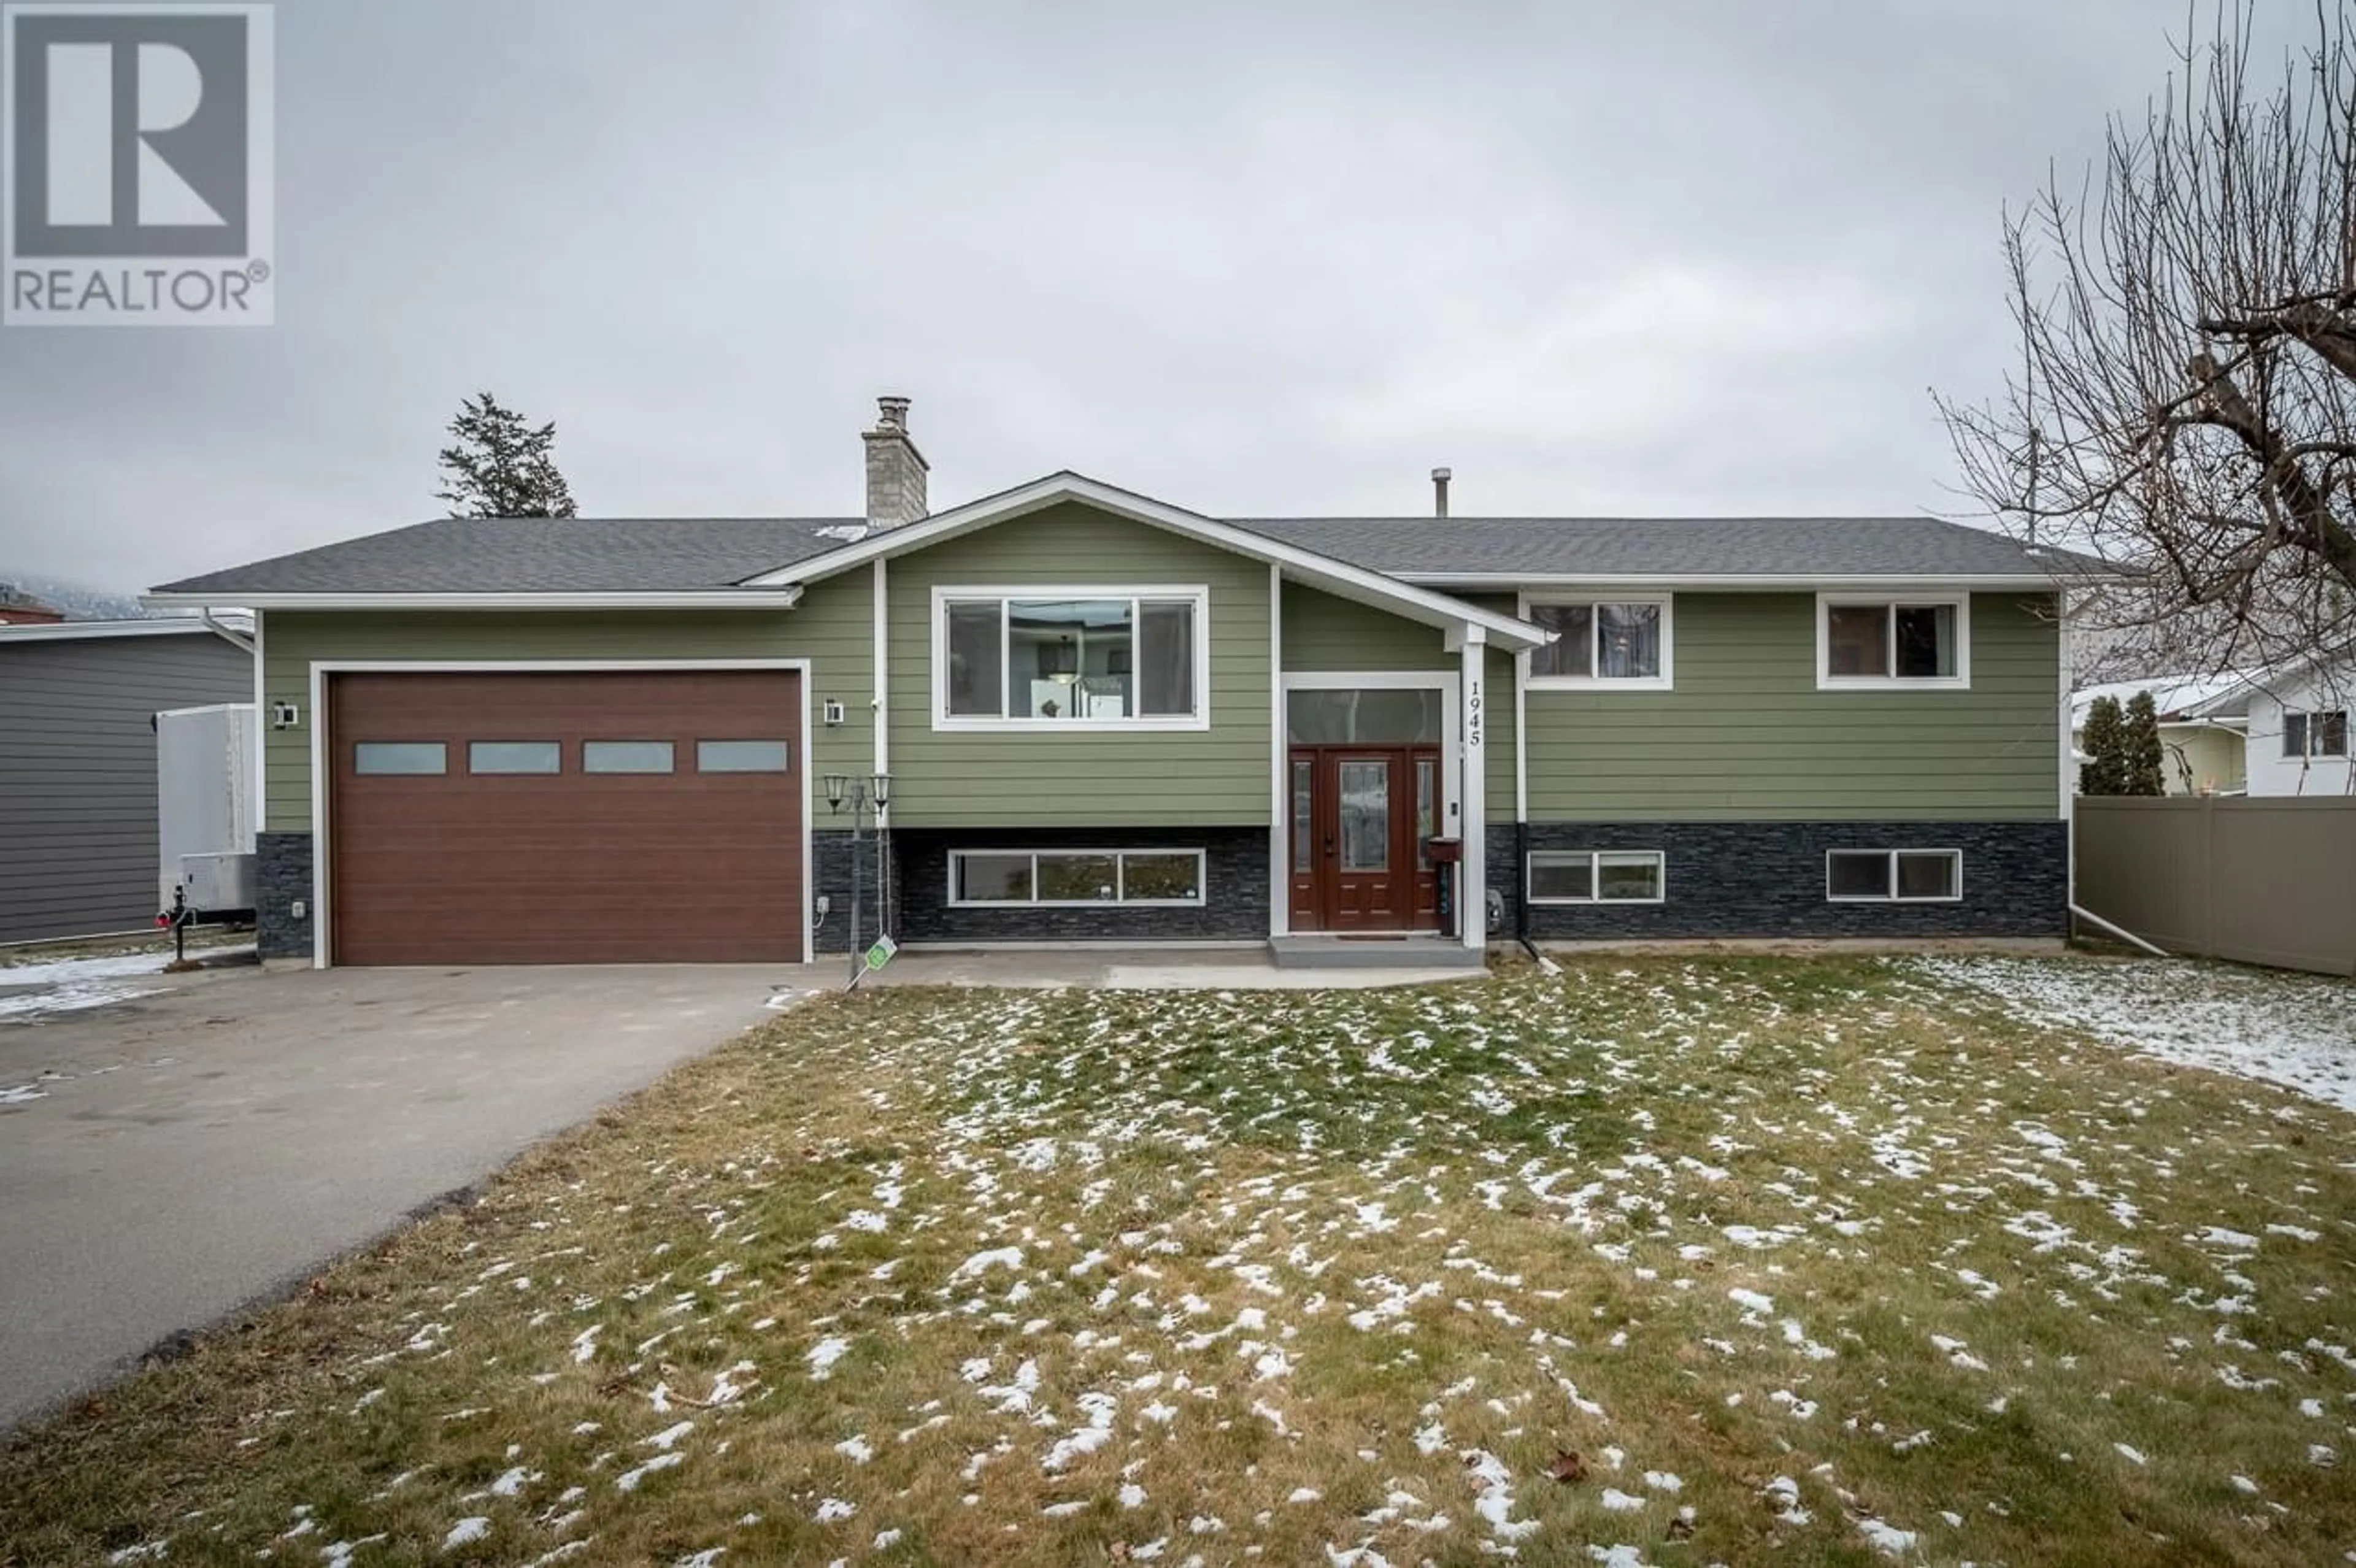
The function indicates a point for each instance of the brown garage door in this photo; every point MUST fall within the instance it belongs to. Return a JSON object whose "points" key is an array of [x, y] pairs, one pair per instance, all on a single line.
{"points": [[613, 817]]}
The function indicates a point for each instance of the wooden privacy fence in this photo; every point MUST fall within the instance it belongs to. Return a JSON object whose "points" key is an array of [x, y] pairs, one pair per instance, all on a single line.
{"points": [[2259, 880]]}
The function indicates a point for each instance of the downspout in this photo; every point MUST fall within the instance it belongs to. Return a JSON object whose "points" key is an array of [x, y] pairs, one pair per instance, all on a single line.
{"points": [[1521, 897], [2122, 932]]}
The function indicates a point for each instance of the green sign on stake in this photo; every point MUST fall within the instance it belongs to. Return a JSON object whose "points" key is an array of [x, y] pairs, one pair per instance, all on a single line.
{"points": [[880, 954]]}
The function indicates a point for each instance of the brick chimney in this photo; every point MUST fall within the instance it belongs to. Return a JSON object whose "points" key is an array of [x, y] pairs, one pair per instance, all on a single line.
{"points": [[895, 469]]}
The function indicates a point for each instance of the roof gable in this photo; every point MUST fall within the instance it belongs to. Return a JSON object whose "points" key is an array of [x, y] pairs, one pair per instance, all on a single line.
{"points": [[1298, 562]]}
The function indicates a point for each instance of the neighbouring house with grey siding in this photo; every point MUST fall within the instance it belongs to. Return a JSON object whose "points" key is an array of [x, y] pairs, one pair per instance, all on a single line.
{"points": [[78, 703]]}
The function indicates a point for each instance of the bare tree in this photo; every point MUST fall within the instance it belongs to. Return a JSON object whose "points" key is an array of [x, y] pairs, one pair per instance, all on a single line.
{"points": [[2187, 399]]}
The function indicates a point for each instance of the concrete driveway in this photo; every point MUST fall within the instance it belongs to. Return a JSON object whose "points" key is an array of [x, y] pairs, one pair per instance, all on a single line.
{"points": [[168, 1159]]}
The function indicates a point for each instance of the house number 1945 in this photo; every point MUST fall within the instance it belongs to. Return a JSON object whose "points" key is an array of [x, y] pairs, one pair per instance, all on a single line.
{"points": [[1473, 716]]}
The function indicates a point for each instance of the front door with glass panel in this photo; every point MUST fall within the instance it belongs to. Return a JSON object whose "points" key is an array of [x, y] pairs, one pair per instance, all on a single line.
{"points": [[1360, 817]]}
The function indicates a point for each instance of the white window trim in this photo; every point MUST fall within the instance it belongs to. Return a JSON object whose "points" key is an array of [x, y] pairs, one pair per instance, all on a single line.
{"points": [[1664, 681], [1890, 883], [1959, 681], [1200, 593], [1660, 859], [1121, 872]]}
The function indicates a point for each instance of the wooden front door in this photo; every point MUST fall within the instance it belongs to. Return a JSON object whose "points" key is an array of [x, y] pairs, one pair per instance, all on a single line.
{"points": [[1360, 815]]}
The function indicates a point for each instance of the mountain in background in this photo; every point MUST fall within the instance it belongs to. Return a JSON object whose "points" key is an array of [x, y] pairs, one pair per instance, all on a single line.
{"points": [[79, 603]]}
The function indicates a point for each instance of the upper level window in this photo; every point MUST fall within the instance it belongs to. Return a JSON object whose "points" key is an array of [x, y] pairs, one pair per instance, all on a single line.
{"points": [[1878, 642], [1051, 658], [1621, 642], [2315, 734]]}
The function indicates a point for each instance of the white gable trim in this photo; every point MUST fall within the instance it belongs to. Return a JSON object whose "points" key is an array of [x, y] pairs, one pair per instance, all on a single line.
{"points": [[1336, 577], [680, 599]]}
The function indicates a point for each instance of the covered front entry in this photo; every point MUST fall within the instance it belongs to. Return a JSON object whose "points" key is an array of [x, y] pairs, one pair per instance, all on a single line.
{"points": [[1361, 818], [552, 817]]}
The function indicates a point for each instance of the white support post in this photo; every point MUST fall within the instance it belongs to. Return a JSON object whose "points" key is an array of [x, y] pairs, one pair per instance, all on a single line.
{"points": [[1472, 872], [1280, 772]]}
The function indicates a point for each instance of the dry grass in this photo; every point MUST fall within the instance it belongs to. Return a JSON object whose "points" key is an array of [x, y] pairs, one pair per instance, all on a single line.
{"points": [[1812, 1258]]}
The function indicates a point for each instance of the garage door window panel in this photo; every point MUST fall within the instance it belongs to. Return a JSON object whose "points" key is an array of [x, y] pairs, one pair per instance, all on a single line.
{"points": [[741, 757], [628, 757], [413, 759], [503, 757]]}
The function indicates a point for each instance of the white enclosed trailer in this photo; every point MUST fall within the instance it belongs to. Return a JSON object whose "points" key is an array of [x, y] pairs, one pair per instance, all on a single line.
{"points": [[205, 795]]}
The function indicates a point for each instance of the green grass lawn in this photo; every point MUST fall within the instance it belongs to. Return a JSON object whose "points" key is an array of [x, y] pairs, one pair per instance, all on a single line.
{"points": [[1658, 1261]]}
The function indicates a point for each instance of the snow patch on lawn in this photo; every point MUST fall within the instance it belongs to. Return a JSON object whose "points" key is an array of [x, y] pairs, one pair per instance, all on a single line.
{"points": [[2294, 1030]]}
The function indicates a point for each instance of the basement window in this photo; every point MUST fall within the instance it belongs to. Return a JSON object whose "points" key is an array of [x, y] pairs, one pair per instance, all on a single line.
{"points": [[1894, 876], [1064, 876], [1596, 875]]}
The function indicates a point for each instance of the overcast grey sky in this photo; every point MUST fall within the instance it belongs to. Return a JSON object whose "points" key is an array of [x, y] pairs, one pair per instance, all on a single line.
{"points": [[1266, 259]]}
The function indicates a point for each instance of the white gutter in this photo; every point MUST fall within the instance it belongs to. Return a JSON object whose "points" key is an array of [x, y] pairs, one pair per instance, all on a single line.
{"points": [[81, 631], [706, 599], [235, 639], [1732, 582]]}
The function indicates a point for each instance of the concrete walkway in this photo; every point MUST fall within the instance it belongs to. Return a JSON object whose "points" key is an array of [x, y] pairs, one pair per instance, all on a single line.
{"points": [[169, 1157], [1127, 969]]}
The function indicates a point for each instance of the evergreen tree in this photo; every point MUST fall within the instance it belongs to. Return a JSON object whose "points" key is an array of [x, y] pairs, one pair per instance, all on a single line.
{"points": [[2104, 741], [499, 466], [2143, 759]]}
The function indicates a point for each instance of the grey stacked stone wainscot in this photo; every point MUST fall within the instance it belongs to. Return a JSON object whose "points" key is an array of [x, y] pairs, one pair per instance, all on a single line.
{"points": [[1767, 880], [1233, 906], [835, 861], [282, 867]]}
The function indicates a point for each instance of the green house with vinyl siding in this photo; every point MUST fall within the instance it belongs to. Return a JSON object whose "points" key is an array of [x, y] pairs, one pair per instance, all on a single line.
{"points": [[1067, 712]]}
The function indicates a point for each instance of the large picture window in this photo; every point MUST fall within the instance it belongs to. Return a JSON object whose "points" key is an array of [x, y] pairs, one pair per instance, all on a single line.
{"points": [[1621, 642], [1890, 643], [1058, 657], [1075, 876]]}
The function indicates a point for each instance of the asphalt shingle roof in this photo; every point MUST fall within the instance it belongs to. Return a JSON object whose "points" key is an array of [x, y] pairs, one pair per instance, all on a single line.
{"points": [[527, 555], [537, 555], [1660, 547]]}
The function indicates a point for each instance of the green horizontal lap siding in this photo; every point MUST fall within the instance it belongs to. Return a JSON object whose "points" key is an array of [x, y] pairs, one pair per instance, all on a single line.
{"points": [[829, 628], [1747, 736], [1101, 778], [1323, 633]]}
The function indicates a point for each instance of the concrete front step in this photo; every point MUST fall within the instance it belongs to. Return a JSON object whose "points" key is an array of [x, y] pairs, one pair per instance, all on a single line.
{"points": [[1404, 950]]}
